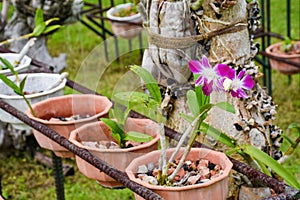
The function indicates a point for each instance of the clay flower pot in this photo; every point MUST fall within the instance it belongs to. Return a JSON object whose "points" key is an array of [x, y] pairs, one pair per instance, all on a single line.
{"points": [[284, 68], [118, 158], [215, 189], [120, 25], [94, 106], [36, 86]]}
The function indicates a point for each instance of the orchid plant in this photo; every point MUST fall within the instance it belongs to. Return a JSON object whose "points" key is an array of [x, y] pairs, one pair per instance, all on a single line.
{"points": [[219, 78]]}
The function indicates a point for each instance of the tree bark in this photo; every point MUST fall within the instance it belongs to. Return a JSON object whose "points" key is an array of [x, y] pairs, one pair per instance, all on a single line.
{"points": [[252, 122]]}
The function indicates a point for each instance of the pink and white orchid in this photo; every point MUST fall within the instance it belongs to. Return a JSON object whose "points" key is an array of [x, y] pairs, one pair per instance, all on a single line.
{"points": [[220, 77], [209, 76]]}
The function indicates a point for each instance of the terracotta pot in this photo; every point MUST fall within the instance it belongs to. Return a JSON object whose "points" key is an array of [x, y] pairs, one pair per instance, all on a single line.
{"points": [[120, 25], [215, 189], [118, 158], [65, 106], [284, 68]]}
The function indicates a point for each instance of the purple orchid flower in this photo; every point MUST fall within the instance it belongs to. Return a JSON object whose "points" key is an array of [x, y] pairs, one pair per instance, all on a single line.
{"points": [[209, 76], [236, 84]]}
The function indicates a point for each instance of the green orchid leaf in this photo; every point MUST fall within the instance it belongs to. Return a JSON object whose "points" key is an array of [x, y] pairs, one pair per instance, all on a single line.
{"points": [[51, 20], [263, 168], [38, 30], [149, 82], [51, 28], [296, 126], [273, 164], [118, 139], [188, 118], [193, 102], [39, 17], [225, 106], [118, 113], [11, 84], [9, 66], [217, 135], [138, 137], [22, 84], [114, 126]]}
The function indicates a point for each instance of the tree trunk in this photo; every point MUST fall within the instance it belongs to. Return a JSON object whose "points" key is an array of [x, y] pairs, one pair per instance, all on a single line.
{"points": [[252, 122]]}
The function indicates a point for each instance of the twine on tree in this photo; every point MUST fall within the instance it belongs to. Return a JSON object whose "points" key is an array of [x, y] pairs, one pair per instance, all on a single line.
{"points": [[188, 41]]}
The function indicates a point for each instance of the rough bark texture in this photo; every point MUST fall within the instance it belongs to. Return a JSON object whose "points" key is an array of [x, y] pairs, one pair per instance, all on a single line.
{"points": [[252, 122]]}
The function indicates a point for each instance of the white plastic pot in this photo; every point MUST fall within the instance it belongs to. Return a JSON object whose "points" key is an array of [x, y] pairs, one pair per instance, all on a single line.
{"points": [[37, 85], [119, 24], [12, 57]]}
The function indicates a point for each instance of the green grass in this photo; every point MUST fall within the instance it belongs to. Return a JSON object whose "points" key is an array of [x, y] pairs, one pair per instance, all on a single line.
{"points": [[23, 178]]}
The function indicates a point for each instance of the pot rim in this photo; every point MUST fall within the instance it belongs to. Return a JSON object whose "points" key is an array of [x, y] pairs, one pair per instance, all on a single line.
{"points": [[26, 62], [44, 93], [270, 48], [131, 18], [136, 162], [63, 123], [75, 132]]}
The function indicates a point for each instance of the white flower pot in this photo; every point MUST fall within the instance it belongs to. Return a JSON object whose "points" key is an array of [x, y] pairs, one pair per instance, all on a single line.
{"points": [[12, 57], [37, 84], [119, 24]]}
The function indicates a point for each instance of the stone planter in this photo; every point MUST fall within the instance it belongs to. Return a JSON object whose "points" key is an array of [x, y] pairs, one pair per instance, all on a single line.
{"points": [[12, 57], [93, 106], [118, 158], [282, 67], [35, 83], [120, 25], [215, 189]]}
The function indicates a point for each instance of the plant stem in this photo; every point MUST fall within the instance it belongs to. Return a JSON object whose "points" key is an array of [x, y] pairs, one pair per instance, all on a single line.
{"points": [[163, 155], [192, 129], [29, 105], [27, 36]]}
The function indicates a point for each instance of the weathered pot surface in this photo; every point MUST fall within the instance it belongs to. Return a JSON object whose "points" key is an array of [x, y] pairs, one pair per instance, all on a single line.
{"points": [[65, 106], [118, 158], [284, 68], [215, 189], [120, 25]]}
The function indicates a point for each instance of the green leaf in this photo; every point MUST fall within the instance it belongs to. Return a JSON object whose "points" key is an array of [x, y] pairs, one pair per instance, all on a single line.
{"points": [[52, 20], [193, 102], [114, 126], [217, 135], [39, 18], [188, 118], [9, 66], [138, 137], [118, 113], [38, 30], [22, 84], [294, 125], [273, 164], [11, 84], [264, 169], [225, 106], [149, 82], [118, 139], [51, 28]]}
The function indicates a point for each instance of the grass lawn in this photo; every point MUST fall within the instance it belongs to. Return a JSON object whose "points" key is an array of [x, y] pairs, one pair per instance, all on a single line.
{"points": [[23, 178]]}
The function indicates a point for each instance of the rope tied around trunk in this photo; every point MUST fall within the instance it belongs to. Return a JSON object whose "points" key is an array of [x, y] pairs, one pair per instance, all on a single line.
{"points": [[188, 41]]}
